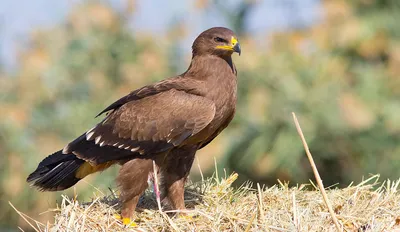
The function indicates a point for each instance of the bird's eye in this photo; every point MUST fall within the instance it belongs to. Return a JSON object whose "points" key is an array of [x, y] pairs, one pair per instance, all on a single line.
{"points": [[219, 40]]}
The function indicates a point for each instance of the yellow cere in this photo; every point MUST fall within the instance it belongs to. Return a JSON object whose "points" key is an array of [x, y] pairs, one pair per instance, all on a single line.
{"points": [[234, 41]]}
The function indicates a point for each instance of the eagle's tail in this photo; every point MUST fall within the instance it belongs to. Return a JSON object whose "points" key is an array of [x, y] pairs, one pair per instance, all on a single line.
{"points": [[56, 172]]}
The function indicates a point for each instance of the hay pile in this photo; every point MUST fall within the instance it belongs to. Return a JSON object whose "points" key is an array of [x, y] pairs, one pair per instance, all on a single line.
{"points": [[216, 206]]}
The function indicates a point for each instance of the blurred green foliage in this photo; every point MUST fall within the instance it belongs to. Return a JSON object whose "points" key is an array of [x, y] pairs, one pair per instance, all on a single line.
{"points": [[341, 77]]}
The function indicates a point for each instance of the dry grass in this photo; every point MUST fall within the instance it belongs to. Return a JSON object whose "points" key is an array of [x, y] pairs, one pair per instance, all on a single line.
{"points": [[216, 206]]}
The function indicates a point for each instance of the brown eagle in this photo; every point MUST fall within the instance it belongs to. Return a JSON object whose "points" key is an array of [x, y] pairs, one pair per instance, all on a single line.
{"points": [[165, 122]]}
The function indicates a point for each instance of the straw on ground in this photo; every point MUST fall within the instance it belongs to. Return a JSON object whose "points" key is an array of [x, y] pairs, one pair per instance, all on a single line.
{"points": [[219, 207]]}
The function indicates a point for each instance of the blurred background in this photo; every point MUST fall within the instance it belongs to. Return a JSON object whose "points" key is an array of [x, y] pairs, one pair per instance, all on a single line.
{"points": [[336, 63]]}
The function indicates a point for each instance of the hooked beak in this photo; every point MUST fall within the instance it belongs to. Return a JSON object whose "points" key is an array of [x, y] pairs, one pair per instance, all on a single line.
{"points": [[236, 48], [233, 46]]}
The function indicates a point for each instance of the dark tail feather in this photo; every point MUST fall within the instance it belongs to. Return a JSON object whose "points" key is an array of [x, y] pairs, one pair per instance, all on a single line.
{"points": [[56, 172]]}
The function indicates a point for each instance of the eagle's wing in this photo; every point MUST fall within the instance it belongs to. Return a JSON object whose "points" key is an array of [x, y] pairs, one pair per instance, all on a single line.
{"points": [[191, 86], [218, 131], [145, 126]]}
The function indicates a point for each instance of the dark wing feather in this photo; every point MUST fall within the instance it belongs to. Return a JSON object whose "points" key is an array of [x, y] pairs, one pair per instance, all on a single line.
{"points": [[218, 131], [146, 126], [188, 85]]}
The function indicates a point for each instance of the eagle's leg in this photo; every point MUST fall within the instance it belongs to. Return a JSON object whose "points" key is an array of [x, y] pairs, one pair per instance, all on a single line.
{"points": [[174, 174], [132, 181]]}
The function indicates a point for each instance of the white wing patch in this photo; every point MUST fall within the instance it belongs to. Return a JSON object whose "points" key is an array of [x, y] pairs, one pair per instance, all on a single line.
{"points": [[97, 140], [65, 150], [89, 134]]}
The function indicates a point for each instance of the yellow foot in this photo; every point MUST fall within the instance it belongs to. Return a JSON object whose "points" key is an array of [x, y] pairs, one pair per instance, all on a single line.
{"points": [[126, 221]]}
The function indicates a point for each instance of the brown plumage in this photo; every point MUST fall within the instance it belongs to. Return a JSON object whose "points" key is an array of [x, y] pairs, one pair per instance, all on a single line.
{"points": [[166, 122]]}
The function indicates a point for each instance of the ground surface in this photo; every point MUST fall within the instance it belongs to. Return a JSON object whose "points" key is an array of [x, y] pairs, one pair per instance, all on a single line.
{"points": [[216, 206]]}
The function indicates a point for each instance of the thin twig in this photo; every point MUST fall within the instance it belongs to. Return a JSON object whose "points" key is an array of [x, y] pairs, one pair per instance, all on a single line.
{"points": [[156, 188], [295, 220], [190, 211], [316, 174], [23, 216], [75, 194], [201, 172], [171, 223], [97, 189], [158, 198], [216, 170], [260, 202], [251, 222]]}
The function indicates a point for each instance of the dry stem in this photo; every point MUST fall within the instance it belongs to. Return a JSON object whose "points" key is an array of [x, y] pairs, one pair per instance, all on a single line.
{"points": [[316, 174]]}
